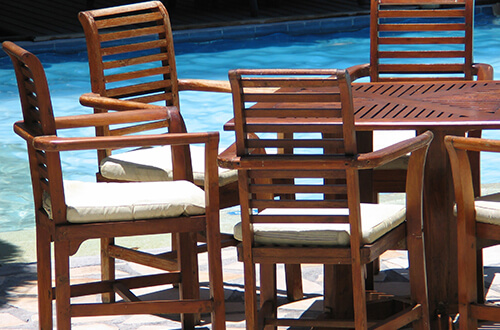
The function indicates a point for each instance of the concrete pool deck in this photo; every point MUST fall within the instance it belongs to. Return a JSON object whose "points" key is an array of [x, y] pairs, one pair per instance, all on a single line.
{"points": [[18, 291]]}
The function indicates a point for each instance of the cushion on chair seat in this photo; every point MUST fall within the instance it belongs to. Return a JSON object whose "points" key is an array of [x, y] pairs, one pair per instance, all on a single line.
{"points": [[488, 209], [377, 220], [96, 202], [155, 164]]}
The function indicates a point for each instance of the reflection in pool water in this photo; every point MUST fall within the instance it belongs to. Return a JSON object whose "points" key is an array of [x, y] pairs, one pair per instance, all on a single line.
{"points": [[68, 78]]}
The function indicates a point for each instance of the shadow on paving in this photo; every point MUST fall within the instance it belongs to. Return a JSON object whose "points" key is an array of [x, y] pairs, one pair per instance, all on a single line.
{"points": [[13, 274]]}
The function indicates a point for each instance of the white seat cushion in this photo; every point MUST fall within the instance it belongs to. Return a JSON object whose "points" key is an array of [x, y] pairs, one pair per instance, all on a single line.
{"points": [[155, 164], [488, 209], [97, 202], [377, 220]]}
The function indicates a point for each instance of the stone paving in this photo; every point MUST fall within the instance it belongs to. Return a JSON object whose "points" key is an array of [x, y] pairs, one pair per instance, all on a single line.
{"points": [[18, 294]]}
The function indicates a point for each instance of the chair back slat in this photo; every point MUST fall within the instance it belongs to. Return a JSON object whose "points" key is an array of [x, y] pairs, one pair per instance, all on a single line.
{"points": [[411, 40]]}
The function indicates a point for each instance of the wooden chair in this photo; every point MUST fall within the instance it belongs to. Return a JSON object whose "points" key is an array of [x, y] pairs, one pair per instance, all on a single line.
{"points": [[132, 59], [478, 226], [70, 212], [299, 204], [415, 41]]}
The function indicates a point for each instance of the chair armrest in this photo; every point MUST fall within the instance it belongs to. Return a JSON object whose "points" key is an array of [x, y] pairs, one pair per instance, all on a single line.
{"points": [[385, 155], [54, 143], [94, 100], [359, 71], [204, 85], [483, 71]]}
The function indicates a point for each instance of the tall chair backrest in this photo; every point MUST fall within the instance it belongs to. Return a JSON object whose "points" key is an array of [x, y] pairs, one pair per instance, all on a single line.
{"points": [[120, 41], [294, 116], [131, 57], [324, 94], [420, 40], [39, 120]]}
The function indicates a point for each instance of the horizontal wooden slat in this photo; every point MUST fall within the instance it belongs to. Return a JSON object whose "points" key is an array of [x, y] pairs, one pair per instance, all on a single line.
{"points": [[302, 82], [152, 87], [132, 33], [133, 47], [306, 255], [291, 189], [421, 2], [287, 174], [292, 97], [422, 13], [128, 20], [299, 128], [134, 61], [306, 112], [142, 307], [422, 27], [422, 68], [296, 143], [421, 54], [420, 40], [138, 128], [162, 96], [138, 74], [303, 204]]}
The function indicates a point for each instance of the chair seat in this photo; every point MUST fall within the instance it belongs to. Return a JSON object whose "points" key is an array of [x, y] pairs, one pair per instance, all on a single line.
{"points": [[97, 202], [488, 209], [376, 219], [155, 164]]}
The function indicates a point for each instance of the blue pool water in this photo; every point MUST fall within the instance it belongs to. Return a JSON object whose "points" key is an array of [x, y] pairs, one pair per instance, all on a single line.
{"points": [[68, 78]]}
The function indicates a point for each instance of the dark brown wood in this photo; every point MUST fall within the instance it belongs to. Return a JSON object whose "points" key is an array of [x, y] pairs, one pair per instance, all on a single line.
{"points": [[39, 129], [472, 307], [330, 153]]}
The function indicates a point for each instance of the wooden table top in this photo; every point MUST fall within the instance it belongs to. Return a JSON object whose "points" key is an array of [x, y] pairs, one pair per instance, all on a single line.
{"points": [[414, 105]]}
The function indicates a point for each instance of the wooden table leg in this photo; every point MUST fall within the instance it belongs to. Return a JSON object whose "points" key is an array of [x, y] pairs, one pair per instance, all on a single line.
{"points": [[440, 232]]}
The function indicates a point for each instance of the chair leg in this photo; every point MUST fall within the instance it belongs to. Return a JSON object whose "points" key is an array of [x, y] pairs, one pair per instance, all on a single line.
{"points": [[251, 310], [188, 263], [359, 296], [107, 268], [418, 279], [63, 294], [214, 238], [44, 278], [293, 275], [338, 301], [268, 299]]}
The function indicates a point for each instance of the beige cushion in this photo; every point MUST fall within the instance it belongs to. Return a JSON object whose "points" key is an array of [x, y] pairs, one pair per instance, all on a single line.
{"points": [[155, 164], [377, 220], [488, 209], [96, 202]]}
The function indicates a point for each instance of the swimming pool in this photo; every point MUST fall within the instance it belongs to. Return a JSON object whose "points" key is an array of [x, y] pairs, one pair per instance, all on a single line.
{"points": [[67, 73]]}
